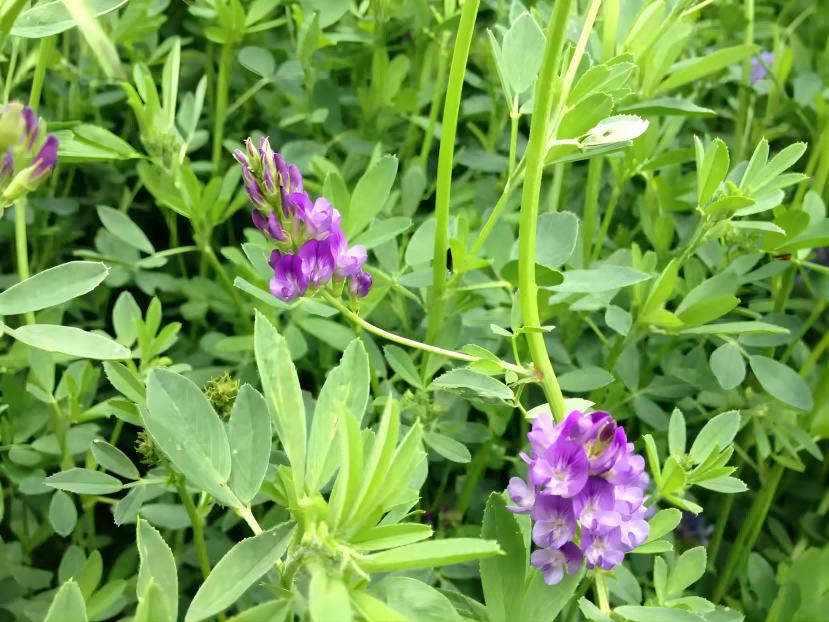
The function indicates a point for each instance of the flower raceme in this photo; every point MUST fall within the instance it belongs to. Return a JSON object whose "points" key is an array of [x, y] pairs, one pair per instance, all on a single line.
{"points": [[25, 160], [311, 250], [584, 493]]}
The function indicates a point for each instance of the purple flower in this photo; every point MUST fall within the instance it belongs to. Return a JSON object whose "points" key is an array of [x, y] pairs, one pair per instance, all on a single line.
{"points": [[561, 469], [317, 262], [32, 126], [603, 550], [349, 260], [45, 160], [758, 66], [522, 494], [289, 280], [555, 522], [7, 166], [583, 478], [594, 505], [269, 226], [554, 562], [317, 218], [360, 284]]}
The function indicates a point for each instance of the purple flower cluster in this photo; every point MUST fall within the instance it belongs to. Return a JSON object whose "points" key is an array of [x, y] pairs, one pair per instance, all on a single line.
{"points": [[22, 167], [310, 246], [585, 493]]}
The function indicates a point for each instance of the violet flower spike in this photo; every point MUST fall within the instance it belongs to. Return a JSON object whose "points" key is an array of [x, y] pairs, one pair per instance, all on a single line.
{"points": [[317, 262], [360, 284]]}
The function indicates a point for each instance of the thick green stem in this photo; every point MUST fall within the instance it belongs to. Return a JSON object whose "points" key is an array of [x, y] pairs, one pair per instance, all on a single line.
{"points": [[21, 246], [535, 156], [197, 524], [601, 592], [446, 155]]}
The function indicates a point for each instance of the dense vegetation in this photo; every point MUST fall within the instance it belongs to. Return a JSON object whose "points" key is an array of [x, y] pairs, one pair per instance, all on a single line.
{"points": [[414, 310]]}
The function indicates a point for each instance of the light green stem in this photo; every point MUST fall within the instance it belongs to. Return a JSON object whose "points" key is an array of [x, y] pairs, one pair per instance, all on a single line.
{"points": [[411, 343], [47, 44], [535, 156], [222, 87], [21, 246], [446, 154], [197, 524], [601, 592]]}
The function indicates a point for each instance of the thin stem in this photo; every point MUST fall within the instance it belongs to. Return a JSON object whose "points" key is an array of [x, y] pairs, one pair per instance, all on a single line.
{"points": [[207, 251], [818, 350], [607, 219], [535, 155], [591, 207], [222, 87], [405, 341], [749, 532], [719, 530], [22, 248], [601, 592], [197, 524], [742, 127], [250, 519], [446, 155], [434, 107], [47, 44], [514, 116]]}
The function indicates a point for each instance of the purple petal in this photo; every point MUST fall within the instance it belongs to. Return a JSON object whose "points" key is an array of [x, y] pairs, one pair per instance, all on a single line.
{"points": [[32, 126], [360, 284], [522, 494], [45, 159], [562, 468], [603, 550], [555, 522]]}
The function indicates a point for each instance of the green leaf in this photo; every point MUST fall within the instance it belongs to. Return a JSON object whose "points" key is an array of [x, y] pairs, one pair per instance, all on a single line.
{"points": [[375, 610], [391, 536], [618, 319], [556, 236], [122, 227], [667, 107], [727, 365], [602, 279], [718, 432], [113, 459], [84, 482], [240, 568], [694, 69], [126, 382], [52, 287], [153, 606], [725, 484], [403, 365], [430, 554], [185, 427], [707, 310], [545, 602], [673, 477], [157, 567], [51, 18], [782, 382], [328, 599], [383, 231], [70, 341], [63, 515], [502, 576], [585, 379], [447, 447], [472, 385], [688, 569], [344, 394], [249, 437], [370, 195], [638, 613], [68, 605], [414, 599], [125, 314], [712, 170], [258, 60], [663, 522], [521, 52], [732, 328], [676, 433], [282, 393]]}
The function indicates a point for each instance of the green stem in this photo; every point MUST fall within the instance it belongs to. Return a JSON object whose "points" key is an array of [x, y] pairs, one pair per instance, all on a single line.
{"points": [[446, 154], [222, 87], [514, 116], [607, 219], [197, 524], [535, 156], [601, 592], [610, 28], [207, 251], [749, 532], [817, 351], [719, 529], [742, 127], [22, 247], [47, 44], [250, 519], [411, 343], [591, 207]]}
